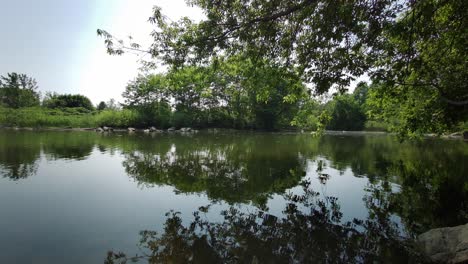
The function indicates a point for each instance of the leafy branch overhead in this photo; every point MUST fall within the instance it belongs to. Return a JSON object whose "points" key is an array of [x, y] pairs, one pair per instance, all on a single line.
{"points": [[417, 48]]}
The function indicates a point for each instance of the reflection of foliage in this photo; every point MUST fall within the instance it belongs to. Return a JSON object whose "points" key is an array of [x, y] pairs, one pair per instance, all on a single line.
{"points": [[68, 145], [18, 155], [20, 151], [433, 189], [18, 171], [423, 183], [431, 197], [249, 169], [315, 234]]}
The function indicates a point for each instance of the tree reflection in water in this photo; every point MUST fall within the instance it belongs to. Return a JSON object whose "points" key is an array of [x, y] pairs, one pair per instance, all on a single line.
{"points": [[19, 155], [424, 184], [310, 230], [251, 169], [20, 151]]}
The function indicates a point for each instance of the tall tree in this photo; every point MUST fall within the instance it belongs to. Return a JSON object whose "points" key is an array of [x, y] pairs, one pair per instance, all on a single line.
{"points": [[18, 90], [101, 106], [417, 47]]}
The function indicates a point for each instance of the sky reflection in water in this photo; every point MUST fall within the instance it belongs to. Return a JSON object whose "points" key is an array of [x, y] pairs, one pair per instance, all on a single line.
{"points": [[72, 196]]}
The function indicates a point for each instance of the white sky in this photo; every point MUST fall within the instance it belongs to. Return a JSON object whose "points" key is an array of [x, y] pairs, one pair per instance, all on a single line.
{"points": [[106, 76], [55, 42]]}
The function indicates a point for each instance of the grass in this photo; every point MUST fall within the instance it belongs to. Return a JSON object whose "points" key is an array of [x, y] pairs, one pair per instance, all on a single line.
{"points": [[76, 118]]}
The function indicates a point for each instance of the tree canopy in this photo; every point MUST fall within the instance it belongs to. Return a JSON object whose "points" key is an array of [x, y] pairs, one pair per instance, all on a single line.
{"points": [[101, 106], [232, 92], [18, 90], [417, 49], [67, 101]]}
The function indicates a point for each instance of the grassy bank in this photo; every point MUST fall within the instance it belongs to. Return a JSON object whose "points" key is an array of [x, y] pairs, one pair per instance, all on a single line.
{"points": [[72, 117], [40, 117]]}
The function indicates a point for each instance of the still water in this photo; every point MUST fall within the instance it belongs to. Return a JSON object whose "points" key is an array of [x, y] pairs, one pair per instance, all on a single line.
{"points": [[71, 197]]}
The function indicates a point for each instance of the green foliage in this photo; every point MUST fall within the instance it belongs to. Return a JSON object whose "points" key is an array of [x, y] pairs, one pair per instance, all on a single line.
{"points": [[307, 115], [373, 125], [69, 117], [67, 101], [323, 121], [426, 85], [230, 92], [101, 106], [416, 49], [326, 39], [407, 114], [153, 114], [18, 90], [41, 117], [346, 114], [121, 118], [360, 94]]}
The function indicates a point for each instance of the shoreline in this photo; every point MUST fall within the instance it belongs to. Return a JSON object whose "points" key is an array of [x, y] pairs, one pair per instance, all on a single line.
{"points": [[453, 136]]}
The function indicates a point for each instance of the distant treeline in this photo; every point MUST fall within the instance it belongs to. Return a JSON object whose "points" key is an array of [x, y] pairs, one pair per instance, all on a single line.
{"points": [[232, 93], [225, 95]]}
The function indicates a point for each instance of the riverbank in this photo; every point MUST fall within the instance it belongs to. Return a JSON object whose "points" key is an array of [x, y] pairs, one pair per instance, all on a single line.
{"points": [[452, 136]]}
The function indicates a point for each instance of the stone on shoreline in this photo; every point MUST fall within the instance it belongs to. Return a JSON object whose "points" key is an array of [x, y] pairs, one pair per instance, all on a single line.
{"points": [[446, 245]]}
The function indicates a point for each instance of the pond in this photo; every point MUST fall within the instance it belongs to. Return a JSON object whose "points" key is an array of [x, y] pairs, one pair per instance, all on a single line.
{"points": [[71, 197]]}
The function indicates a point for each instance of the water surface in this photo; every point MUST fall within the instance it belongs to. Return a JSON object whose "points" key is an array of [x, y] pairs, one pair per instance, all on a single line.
{"points": [[70, 197]]}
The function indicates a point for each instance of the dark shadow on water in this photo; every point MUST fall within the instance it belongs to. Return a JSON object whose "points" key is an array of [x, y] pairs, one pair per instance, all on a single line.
{"points": [[423, 184], [310, 230], [19, 154]]}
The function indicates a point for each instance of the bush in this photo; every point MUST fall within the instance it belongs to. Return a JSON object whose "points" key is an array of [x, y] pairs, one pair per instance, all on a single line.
{"points": [[154, 114], [118, 118], [41, 117], [68, 101]]}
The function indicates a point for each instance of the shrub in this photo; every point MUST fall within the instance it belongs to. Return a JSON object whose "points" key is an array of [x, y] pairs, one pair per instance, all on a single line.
{"points": [[118, 118]]}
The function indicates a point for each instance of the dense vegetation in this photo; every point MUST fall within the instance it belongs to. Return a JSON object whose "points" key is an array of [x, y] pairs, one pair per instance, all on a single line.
{"points": [[414, 52], [233, 93], [67, 101], [18, 90], [222, 95], [264, 65]]}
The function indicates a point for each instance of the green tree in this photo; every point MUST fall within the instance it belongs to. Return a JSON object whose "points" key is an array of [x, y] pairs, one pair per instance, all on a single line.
{"points": [[307, 115], [67, 101], [229, 92], [258, 92], [18, 90], [422, 78], [147, 95], [360, 93], [101, 106], [417, 48], [346, 114]]}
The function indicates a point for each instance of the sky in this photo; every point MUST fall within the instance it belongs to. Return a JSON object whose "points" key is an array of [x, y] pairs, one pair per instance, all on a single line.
{"points": [[55, 42]]}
